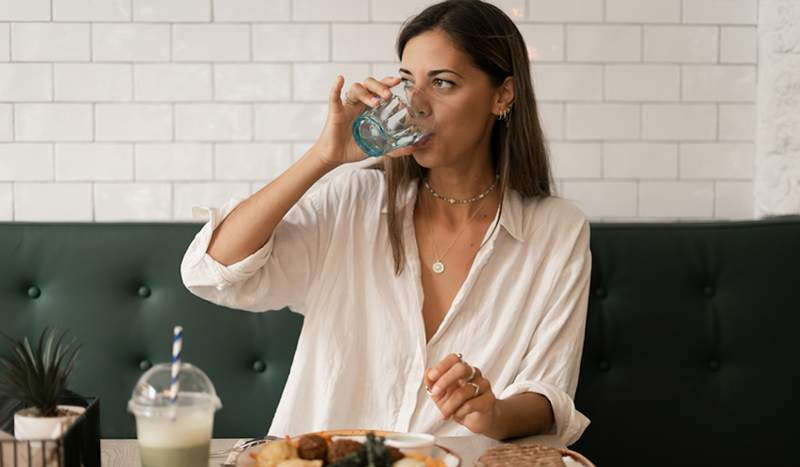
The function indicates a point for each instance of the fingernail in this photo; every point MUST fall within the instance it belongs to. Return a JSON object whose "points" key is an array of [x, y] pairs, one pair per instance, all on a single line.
{"points": [[375, 101], [433, 374], [436, 391]]}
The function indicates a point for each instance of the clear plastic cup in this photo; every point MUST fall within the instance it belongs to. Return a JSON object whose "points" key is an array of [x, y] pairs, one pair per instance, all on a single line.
{"points": [[179, 435], [390, 125]]}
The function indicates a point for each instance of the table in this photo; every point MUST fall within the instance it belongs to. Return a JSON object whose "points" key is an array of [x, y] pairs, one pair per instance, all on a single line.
{"points": [[125, 452]]}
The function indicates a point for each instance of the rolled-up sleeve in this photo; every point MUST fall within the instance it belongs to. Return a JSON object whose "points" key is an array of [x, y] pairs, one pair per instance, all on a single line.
{"points": [[279, 274], [552, 362]]}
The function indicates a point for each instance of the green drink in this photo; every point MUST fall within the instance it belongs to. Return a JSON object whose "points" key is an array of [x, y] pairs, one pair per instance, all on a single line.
{"points": [[182, 442], [174, 434], [184, 456]]}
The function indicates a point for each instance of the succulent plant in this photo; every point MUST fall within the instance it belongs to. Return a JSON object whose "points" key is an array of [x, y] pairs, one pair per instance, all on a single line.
{"points": [[37, 377]]}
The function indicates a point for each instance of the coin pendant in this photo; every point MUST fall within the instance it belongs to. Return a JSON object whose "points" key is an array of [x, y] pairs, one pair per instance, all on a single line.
{"points": [[438, 267]]}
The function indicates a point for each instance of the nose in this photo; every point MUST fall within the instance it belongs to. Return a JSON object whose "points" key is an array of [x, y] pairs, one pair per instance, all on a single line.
{"points": [[418, 100]]}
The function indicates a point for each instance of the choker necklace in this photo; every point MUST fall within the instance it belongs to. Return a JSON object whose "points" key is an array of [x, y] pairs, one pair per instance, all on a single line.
{"points": [[462, 201]]}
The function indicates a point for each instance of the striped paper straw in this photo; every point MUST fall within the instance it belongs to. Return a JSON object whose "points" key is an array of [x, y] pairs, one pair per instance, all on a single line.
{"points": [[177, 347]]}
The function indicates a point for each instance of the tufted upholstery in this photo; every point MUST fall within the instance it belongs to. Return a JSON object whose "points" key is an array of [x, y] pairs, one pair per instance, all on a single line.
{"points": [[690, 337], [690, 345], [117, 288]]}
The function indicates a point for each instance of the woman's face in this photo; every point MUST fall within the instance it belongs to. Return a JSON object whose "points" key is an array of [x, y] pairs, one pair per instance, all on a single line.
{"points": [[455, 97]]}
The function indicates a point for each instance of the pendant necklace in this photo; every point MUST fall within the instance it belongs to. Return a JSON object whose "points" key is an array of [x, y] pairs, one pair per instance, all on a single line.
{"points": [[438, 263]]}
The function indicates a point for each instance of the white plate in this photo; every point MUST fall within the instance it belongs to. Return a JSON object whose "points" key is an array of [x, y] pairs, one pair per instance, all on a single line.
{"points": [[450, 459]]}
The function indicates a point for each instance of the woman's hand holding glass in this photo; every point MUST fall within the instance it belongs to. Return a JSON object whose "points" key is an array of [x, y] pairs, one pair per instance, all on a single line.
{"points": [[336, 144], [462, 393]]}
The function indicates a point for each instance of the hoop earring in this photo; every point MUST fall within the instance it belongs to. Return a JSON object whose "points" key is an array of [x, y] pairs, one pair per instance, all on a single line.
{"points": [[506, 115]]}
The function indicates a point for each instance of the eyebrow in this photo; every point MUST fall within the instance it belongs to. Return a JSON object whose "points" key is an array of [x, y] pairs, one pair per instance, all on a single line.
{"points": [[432, 72]]}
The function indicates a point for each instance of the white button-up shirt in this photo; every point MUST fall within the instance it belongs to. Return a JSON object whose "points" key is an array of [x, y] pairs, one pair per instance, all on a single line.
{"points": [[519, 316]]}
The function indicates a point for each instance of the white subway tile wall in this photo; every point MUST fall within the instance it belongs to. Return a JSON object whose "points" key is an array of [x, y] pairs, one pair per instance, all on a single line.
{"points": [[6, 122], [137, 110], [88, 162]]}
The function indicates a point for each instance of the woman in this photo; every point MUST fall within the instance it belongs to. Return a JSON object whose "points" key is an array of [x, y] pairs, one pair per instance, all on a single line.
{"points": [[444, 289]]}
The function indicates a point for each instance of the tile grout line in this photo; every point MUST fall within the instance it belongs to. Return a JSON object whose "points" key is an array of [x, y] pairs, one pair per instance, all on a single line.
{"points": [[53, 160], [703, 63], [134, 156], [714, 199]]}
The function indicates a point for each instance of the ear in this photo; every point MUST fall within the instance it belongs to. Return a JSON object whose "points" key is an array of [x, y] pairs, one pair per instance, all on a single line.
{"points": [[504, 96]]}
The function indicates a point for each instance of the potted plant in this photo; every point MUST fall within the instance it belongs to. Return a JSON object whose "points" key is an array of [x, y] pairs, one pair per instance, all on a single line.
{"points": [[37, 377]]}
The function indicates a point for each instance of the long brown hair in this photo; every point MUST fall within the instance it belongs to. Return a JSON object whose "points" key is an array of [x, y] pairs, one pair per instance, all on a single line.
{"points": [[518, 150]]}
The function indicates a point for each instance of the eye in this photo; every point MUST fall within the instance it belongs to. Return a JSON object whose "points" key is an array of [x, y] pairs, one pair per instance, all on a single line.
{"points": [[446, 84]]}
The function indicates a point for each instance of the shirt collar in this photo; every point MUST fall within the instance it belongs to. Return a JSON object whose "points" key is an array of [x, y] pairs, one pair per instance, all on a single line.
{"points": [[511, 217]]}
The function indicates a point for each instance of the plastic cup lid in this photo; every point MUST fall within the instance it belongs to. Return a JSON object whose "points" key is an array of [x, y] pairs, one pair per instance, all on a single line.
{"points": [[151, 395]]}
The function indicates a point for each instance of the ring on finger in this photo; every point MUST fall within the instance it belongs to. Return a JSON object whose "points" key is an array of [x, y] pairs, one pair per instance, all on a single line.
{"points": [[477, 389], [471, 374], [459, 356]]}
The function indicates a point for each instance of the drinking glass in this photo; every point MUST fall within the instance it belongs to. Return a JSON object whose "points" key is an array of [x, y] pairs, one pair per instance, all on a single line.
{"points": [[392, 124]]}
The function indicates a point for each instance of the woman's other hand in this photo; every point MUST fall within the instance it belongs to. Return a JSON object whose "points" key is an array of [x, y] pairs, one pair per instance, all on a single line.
{"points": [[462, 393]]}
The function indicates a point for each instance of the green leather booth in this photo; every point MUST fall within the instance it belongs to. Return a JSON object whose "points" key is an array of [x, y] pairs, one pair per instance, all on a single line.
{"points": [[689, 359]]}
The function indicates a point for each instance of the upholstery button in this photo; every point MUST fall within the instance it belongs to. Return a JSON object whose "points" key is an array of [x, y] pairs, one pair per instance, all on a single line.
{"points": [[604, 365], [600, 292], [708, 291], [34, 292], [713, 365], [145, 365], [259, 366], [144, 291]]}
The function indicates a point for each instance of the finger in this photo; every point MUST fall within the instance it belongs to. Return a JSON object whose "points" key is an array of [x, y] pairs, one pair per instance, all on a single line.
{"points": [[335, 97], [478, 404], [358, 92], [441, 398], [433, 374], [464, 395], [458, 371], [391, 80], [378, 88], [458, 398]]}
